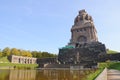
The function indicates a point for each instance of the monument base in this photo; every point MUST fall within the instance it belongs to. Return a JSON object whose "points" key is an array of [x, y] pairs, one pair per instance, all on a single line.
{"points": [[82, 53]]}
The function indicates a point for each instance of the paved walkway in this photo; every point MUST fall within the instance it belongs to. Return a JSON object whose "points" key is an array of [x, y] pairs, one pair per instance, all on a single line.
{"points": [[113, 74]]}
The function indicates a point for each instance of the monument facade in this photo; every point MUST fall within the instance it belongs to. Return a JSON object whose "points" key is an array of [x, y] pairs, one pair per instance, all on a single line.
{"points": [[83, 30]]}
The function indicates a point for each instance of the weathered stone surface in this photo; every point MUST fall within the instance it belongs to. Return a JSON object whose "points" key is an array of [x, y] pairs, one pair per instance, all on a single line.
{"points": [[46, 60], [82, 53], [111, 57], [83, 30]]}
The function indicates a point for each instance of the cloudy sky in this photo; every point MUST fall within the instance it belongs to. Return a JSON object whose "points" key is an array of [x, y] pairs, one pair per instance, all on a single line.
{"points": [[44, 25]]}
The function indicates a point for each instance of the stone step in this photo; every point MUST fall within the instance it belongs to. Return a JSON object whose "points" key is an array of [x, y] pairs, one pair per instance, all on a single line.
{"points": [[113, 74]]}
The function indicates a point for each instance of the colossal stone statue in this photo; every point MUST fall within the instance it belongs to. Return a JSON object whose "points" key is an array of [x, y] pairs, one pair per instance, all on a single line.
{"points": [[83, 30]]}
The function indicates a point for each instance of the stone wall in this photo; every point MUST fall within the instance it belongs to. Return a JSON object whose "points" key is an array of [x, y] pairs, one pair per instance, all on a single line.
{"points": [[111, 57], [85, 54], [47, 60], [43, 61]]}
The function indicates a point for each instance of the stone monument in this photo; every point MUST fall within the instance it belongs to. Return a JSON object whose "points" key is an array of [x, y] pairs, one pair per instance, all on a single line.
{"points": [[84, 47]]}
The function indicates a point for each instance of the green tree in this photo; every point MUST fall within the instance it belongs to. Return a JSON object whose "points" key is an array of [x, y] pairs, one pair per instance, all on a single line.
{"points": [[34, 53], [6, 51], [45, 54], [0, 53], [39, 55], [42, 54], [29, 54], [14, 51], [26, 53], [22, 52], [52, 55]]}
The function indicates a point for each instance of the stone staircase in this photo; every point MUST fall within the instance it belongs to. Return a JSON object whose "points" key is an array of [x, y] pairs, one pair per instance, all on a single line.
{"points": [[113, 74]]}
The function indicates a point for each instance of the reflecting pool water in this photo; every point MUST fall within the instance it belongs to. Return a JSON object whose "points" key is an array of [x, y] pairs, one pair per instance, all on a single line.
{"points": [[50, 74]]}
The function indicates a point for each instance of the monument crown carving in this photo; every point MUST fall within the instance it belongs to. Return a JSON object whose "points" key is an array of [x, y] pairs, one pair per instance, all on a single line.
{"points": [[82, 17]]}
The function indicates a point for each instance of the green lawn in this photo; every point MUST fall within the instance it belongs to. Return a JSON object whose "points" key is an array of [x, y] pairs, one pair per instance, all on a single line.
{"points": [[92, 76], [19, 66], [115, 66], [110, 65], [111, 52], [4, 60]]}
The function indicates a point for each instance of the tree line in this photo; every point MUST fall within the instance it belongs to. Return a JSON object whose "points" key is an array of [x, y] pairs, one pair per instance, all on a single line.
{"points": [[26, 53]]}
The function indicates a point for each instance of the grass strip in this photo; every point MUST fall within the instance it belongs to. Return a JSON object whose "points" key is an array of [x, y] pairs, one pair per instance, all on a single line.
{"points": [[92, 76], [19, 66]]}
